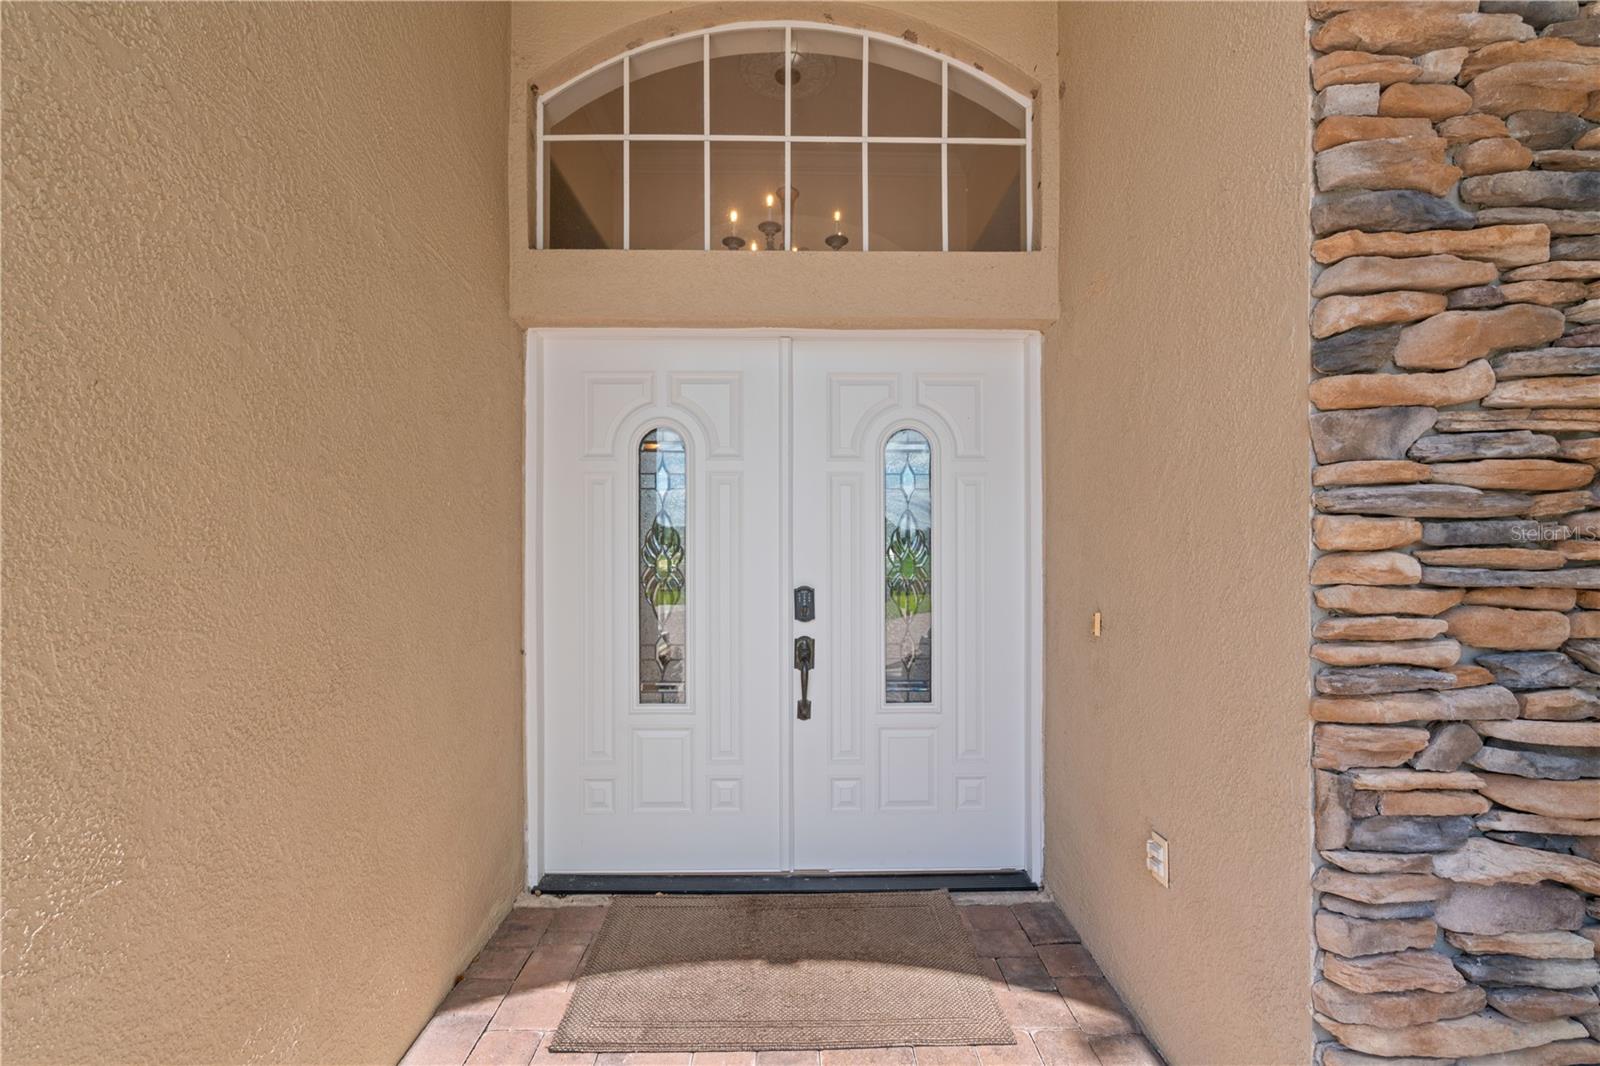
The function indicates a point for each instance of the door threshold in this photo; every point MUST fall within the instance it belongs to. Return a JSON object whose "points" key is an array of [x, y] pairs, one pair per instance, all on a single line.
{"points": [[721, 884]]}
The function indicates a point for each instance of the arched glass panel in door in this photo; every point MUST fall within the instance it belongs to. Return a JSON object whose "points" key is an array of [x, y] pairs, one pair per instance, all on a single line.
{"points": [[908, 568], [785, 136], [663, 569]]}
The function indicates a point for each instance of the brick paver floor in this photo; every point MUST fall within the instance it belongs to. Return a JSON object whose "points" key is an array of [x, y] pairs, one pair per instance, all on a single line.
{"points": [[1065, 1013]]}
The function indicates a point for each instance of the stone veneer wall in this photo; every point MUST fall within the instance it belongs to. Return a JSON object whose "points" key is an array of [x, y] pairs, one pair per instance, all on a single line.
{"points": [[1457, 432]]}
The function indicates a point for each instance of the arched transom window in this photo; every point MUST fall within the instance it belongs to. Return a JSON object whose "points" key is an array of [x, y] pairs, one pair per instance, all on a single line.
{"points": [[785, 137]]}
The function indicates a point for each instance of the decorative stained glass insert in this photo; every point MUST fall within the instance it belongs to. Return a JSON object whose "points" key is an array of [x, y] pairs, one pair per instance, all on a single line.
{"points": [[908, 568], [663, 588]]}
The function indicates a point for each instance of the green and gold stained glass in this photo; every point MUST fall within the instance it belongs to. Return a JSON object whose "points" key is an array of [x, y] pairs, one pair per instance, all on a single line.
{"points": [[663, 584], [908, 568]]}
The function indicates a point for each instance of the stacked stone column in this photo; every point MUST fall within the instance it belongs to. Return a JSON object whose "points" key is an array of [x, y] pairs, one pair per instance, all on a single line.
{"points": [[1456, 429]]}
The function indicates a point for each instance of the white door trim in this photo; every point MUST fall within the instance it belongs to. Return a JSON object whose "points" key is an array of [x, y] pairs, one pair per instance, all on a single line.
{"points": [[532, 588], [1033, 436], [532, 613]]}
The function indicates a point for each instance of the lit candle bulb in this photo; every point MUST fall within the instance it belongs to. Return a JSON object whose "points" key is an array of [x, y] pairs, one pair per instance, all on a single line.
{"points": [[769, 207], [730, 237], [838, 226]]}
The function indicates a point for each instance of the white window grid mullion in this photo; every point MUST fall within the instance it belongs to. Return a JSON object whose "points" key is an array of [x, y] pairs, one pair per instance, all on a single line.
{"points": [[866, 66], [1027, 178], [627, 127], [788, 148], [555, 137], [541, 185], [705, 129], [944, 155], [775, 138], [778, 138]]}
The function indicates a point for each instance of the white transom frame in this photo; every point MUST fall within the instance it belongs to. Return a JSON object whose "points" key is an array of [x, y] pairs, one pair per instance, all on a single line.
{"points": [[787, 138]]}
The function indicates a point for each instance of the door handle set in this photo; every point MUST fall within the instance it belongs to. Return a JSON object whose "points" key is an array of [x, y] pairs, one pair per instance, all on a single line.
{"points": [[805, 649], [805, 657]]}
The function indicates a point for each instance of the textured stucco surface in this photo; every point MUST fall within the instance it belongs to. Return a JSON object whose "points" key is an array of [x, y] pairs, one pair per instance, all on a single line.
{"points": [[1176, 457], [1016, 42], [262, 792]]}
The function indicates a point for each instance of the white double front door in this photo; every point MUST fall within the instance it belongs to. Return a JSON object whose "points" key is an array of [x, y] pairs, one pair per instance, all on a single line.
{"points": [[711, 504]]}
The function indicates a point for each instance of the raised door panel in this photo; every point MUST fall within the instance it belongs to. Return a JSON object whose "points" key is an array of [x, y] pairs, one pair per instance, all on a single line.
{"points": [[910, 471], [664, 664]]}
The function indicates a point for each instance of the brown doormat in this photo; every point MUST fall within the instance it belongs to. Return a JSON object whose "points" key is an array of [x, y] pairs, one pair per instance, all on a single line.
{"points": [[757, 973]]}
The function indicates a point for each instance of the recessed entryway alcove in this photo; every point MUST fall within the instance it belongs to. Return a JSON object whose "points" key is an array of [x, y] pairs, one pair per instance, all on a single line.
{"points": [[796, 168], [1131, 395]]}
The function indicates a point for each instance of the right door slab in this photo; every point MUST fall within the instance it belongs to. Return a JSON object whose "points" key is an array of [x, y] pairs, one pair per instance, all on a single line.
{"points": [[910, 522]]}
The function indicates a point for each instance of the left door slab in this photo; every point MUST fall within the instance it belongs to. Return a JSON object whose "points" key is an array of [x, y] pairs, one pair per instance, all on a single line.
{"points": [[664, 661]]}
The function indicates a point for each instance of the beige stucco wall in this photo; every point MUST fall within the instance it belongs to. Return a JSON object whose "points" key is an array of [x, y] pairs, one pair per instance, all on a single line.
{"points": [[262, 429], [1176, 469], [1015, 42]]}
